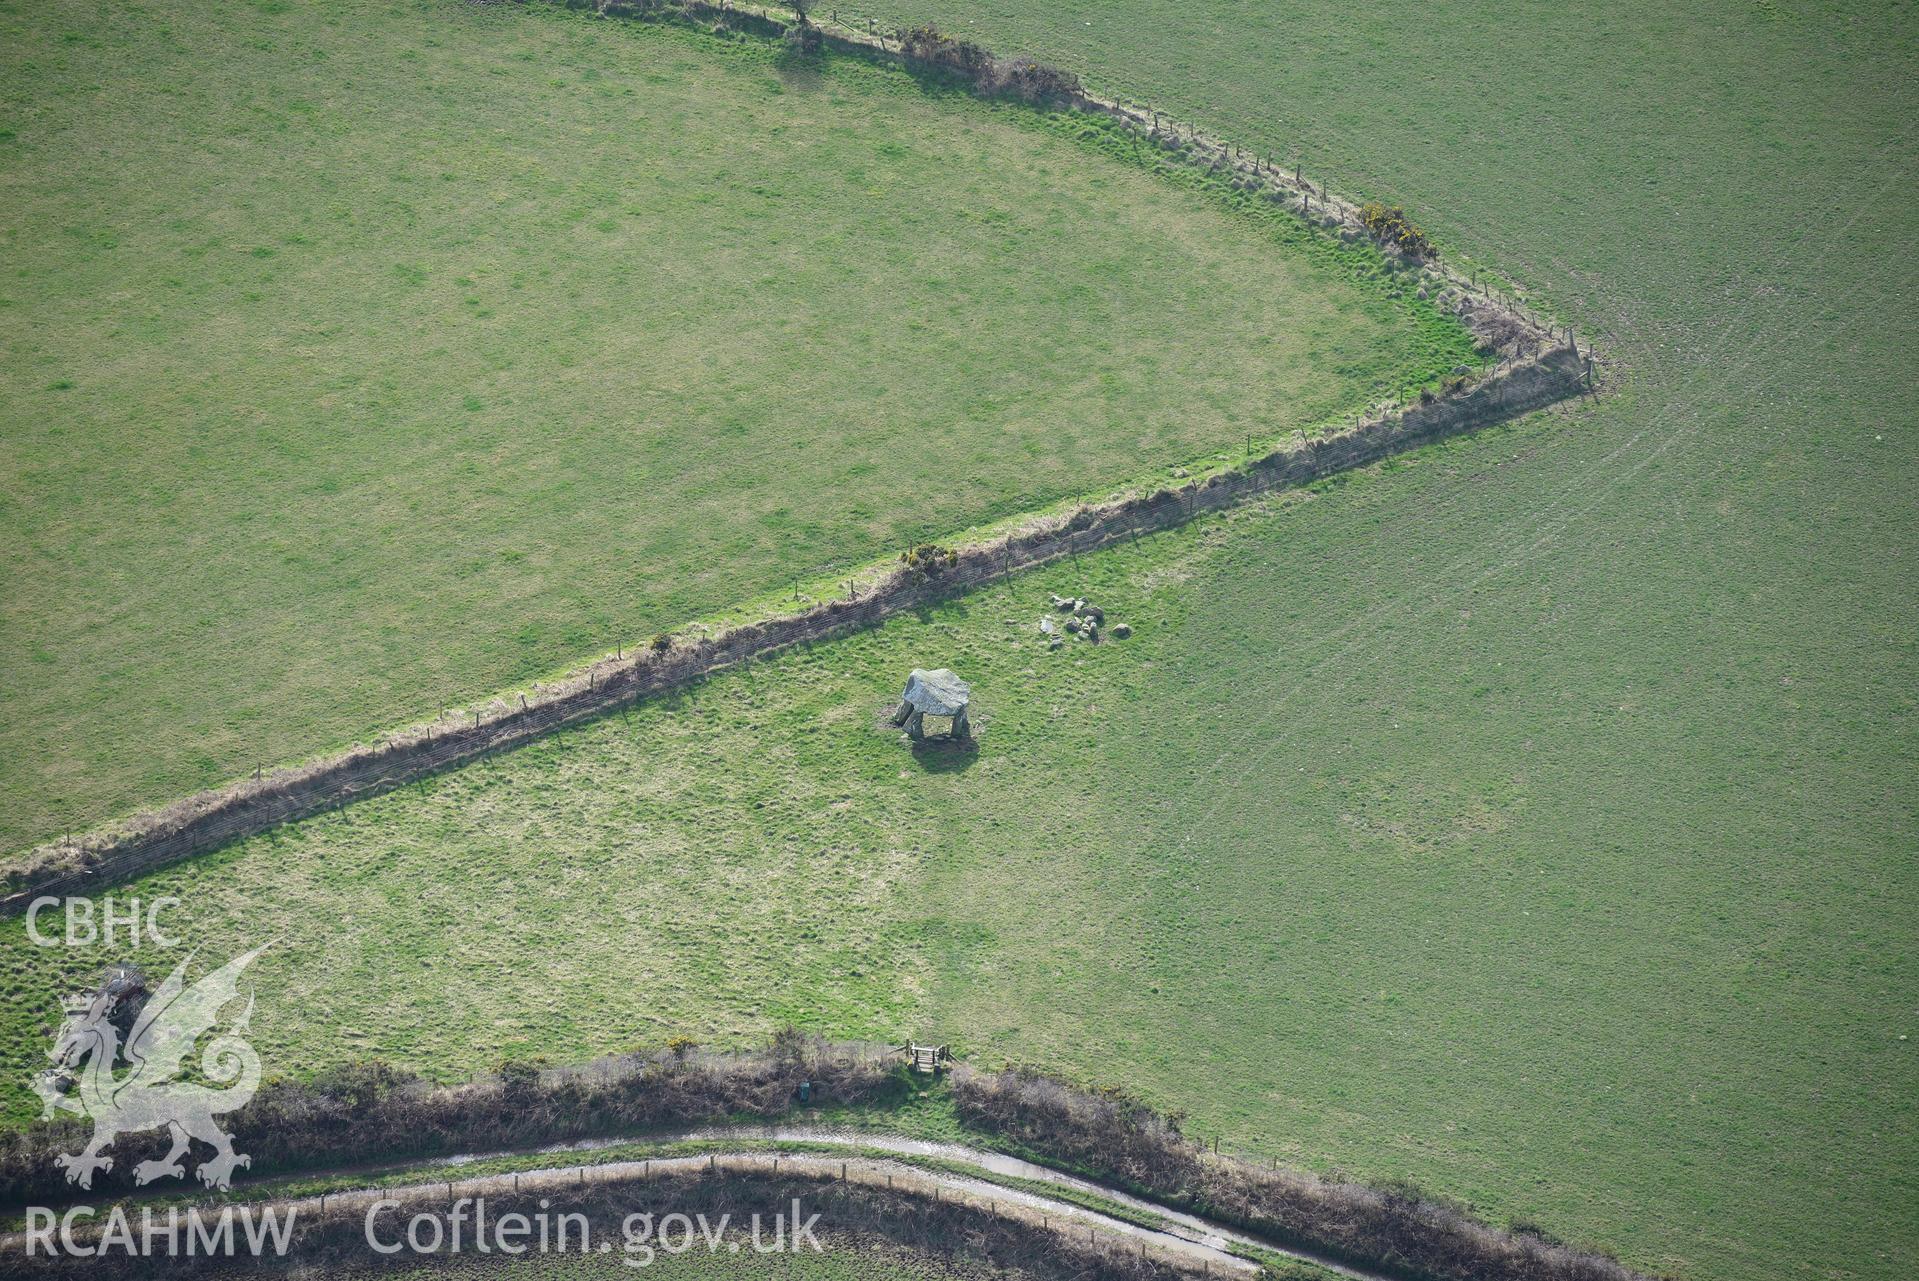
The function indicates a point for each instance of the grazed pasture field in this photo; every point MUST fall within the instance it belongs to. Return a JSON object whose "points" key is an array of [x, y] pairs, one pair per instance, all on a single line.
{"points": [[358, 358], [1433, 936], [1725, 552], [1533, 820]]}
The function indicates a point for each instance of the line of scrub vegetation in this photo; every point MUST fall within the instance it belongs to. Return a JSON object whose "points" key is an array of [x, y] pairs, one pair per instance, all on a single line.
{"points": [[925, 573], [854, 1218], [1395, 1227], [371, 1114]]}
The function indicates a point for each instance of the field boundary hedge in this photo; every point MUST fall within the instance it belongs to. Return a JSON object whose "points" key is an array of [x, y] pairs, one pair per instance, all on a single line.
{"points": [[1539, 365], [907, 1211], [992, 75], [368, 1117], [364, 1113], [215, 817], [1117, 1140]]}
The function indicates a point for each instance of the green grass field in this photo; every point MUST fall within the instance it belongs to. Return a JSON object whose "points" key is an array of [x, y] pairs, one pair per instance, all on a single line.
{"points": [[1717, 193], [361, 358], [1416, 916], [1533, 819]]}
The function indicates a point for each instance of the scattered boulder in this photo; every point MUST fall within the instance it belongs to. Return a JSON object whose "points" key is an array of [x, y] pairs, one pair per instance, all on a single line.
{"points": [[1084, 620]]}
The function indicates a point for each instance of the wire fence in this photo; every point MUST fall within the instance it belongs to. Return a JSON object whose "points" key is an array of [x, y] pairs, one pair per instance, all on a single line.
{"points": [[212, 819], [1285, 171], [873, 589]]}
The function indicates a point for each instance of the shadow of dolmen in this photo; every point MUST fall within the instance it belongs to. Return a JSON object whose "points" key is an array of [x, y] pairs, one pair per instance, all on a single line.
{"points": [[945, 754]]}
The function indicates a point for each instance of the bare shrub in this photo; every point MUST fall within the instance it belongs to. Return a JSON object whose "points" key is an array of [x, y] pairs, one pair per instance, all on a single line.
{"points": [[1031, 81], [929, 45], [1015, 77]]}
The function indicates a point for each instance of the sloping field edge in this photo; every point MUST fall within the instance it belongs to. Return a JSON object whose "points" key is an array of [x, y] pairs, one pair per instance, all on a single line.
{"points": [[1540, 365]]}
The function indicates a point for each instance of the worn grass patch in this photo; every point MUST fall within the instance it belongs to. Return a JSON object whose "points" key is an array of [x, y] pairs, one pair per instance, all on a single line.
{"points": [[357, 358]]}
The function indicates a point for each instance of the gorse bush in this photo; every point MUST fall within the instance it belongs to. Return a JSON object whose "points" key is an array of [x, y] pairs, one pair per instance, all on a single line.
{"points": [[519, 1082], [802, 38], [929, 560], [1389, 225]]}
